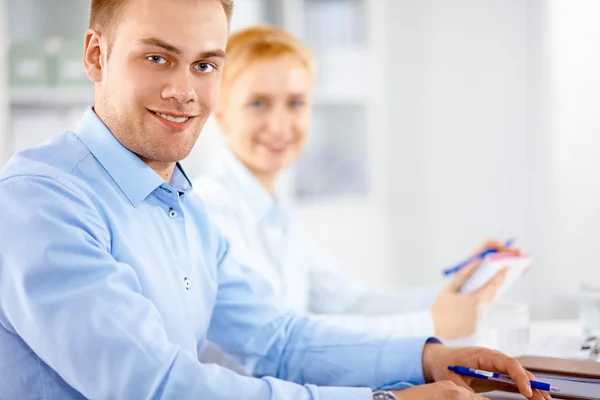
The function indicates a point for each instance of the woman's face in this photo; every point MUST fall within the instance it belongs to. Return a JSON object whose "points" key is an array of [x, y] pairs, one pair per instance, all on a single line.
{"points": [[266, 116]]}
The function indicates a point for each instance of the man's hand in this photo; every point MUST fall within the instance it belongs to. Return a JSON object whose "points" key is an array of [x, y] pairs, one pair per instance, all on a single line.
{"points": [[437, 358], [444, 390], [455, 314]]}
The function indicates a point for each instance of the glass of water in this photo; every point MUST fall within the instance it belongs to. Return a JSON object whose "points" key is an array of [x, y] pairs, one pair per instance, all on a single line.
{"points": [[589, 309], [504, 326]]}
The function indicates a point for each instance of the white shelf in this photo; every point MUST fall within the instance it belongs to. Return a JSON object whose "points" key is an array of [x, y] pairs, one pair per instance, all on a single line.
{"points": [[51, 96]]}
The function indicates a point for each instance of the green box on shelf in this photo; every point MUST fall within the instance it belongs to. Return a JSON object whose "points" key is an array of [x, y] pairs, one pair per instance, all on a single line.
{"points": [[67, 65], [28, 63]]}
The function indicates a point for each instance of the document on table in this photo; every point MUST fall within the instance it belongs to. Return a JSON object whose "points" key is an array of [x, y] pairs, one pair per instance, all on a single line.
{"points": [[583, 388], [580, 388]]}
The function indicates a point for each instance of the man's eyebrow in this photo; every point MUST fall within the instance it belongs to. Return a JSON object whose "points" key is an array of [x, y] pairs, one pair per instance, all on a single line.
{"points": [[212, 53], [173, 49], [161, 43]]}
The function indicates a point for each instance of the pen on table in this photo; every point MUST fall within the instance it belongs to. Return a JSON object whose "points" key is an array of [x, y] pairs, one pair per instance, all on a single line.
{"points": [[476, 257], [492, 376]]}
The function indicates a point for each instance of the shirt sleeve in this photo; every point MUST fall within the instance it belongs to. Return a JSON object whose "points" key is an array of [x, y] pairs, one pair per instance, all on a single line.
{"points": [[259, 333], [83, 313]]}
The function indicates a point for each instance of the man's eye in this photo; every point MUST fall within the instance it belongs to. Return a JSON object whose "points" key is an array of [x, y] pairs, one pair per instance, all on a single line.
{"points": [[157, 60], [204, 67]]}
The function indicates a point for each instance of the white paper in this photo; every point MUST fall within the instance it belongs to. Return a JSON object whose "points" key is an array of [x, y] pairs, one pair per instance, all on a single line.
{"points": [[517, 265]]}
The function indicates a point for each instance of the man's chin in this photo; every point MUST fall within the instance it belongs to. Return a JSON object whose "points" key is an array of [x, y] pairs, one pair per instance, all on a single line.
{"points": [[174, 149], [175, 158], [169, 157]]}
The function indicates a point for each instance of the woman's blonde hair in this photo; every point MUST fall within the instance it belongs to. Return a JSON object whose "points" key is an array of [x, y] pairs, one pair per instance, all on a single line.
{"points": [[256, 43]]}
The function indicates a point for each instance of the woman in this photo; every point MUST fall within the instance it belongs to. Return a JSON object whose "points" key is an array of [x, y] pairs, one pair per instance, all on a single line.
{"points": [[264, 112]]}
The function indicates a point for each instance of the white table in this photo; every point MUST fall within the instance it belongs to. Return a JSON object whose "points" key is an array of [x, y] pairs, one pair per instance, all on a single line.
{"points": [[539, 336]]}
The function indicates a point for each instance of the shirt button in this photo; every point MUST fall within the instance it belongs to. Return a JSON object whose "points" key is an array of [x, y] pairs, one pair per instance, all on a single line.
{"points": [[172, 213], [188, 283]]}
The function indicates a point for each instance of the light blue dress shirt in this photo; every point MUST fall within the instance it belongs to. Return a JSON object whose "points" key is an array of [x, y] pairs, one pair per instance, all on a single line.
{"points": [[111, 281], [266, 235]]}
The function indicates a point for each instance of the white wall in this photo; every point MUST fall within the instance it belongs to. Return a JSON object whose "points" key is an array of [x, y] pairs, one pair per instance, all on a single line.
{"points": [[566, 154], [495, 132], [458, 118]]}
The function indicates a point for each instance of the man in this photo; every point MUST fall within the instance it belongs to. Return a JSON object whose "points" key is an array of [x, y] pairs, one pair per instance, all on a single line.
{"points": [[112, 278]]}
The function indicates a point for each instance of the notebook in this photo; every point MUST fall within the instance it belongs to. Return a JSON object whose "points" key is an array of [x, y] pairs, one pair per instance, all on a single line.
{"points": [[517, 265], [576, 379]]}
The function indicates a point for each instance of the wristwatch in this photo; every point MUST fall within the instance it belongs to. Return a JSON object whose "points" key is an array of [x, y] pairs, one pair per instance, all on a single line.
{"points": [[383, 395]]}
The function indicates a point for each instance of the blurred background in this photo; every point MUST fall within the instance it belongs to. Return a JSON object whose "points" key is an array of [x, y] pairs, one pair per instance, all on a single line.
{"points": [[437, 124]]}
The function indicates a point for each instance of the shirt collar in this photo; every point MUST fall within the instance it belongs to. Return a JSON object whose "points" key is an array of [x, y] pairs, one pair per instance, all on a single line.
{"points": [[136, 179], [262, 204], [180, 180]]}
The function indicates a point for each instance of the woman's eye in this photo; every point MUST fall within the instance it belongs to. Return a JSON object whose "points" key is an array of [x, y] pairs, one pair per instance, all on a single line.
{"points": [[297, 104], [204, 67], [257, 104], [157, 60]]}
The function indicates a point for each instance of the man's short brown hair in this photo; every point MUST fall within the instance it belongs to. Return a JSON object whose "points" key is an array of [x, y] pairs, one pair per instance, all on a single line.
{"points": [[104, 14]]}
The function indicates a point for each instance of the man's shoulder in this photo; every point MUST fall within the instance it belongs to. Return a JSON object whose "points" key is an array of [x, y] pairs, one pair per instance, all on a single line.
{"points": [[55, 160]]}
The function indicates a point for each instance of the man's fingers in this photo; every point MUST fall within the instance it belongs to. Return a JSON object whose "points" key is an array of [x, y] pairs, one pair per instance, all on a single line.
{"points": [[459, 381], [538, 394], [501, 363], [491, 360], [489, 290], [518, 374]]}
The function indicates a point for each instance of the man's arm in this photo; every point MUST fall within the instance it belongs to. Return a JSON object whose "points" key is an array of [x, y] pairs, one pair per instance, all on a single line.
{"points": [[259, 333], [83, 313]]}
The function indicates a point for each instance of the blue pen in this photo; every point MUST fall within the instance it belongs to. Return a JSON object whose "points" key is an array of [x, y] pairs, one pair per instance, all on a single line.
{"points": [[476, 257], [492, 376]]}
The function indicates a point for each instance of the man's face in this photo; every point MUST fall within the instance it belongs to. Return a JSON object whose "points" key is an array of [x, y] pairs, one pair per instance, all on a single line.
{"points": [[161, 81]]}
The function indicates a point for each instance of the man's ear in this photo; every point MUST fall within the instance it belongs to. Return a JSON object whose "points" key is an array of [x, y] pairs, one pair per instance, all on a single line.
{"points": [[93, 55]]}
